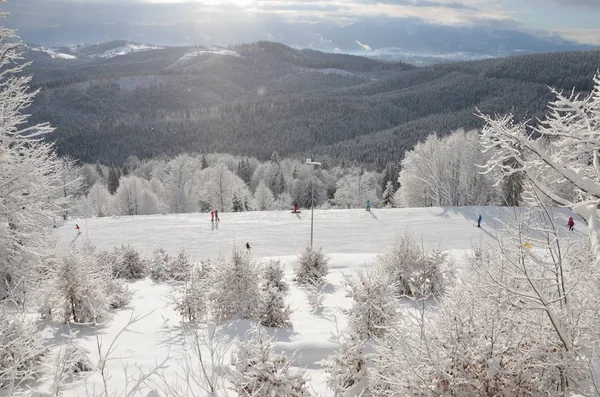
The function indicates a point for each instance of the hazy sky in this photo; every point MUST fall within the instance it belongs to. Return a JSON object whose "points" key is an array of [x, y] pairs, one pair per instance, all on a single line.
{"points": [[574, 19], [578, 20]]}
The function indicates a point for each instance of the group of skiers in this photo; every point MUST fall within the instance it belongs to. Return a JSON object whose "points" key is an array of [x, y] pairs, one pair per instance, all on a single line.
{"points": [[214, 215]]}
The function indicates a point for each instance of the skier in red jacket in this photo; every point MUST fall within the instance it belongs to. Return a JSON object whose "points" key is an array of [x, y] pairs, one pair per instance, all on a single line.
{"points": [[571, 224]]}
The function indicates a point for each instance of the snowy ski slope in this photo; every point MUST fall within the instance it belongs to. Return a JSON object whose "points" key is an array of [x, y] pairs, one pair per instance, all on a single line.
{"points": [[351, 238]]}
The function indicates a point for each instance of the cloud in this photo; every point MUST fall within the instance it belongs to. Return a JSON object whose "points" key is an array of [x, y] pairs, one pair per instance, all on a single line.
{"points": [[365, 47]]}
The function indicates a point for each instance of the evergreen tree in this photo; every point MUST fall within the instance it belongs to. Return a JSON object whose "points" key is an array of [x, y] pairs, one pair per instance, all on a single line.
{"points": [[204, 164], [244, 171], [99, 171], [387, 199], [275, 158], [113, 179], [237, 203]]}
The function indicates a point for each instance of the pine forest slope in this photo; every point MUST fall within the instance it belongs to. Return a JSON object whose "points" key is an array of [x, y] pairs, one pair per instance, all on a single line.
{"points": [[264, 97]]}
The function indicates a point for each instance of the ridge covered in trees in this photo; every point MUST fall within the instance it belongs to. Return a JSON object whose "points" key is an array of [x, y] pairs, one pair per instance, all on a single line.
{"points": [[257, 98]]}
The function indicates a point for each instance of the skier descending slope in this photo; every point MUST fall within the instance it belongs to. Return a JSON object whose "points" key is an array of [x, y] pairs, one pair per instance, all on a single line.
{"points": [[571, 224], [479, 221], [368, 205]]}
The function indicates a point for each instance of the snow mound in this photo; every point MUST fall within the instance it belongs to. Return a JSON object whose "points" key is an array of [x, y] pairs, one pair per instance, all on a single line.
{"points": [[53, 53], [129, 48]]}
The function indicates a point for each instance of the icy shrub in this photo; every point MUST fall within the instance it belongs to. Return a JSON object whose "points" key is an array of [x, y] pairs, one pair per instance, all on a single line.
{"points": [[414, 272], [118, 293], [21, 350], [192, 303], [82, 288], [311, 266], [128, 263], [347, 369], [159, 265], [164, 267], [315, 295], [273, 275], [373, 304], [259, 372], [235, 287]]}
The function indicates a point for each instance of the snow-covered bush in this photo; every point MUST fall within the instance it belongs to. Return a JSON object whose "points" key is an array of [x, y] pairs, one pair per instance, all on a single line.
{"points": [[259, 372], [21, 350], [311, 266], [82, 287], [160, 265], [163, 267], [235, 286], [273, 275], [192, 303], [347, 369], [127, 263], [413, 272], [373, 304]]}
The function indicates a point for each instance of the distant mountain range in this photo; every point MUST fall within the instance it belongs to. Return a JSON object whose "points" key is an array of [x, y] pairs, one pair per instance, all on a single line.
{"points": [[113, 100]]}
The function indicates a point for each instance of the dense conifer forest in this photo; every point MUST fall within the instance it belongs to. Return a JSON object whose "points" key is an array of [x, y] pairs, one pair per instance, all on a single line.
{"points": [[258, 98]]}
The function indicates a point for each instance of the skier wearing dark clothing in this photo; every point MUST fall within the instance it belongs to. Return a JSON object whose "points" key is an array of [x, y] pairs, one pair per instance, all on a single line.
{"points": [[248, 246], [217, 216], [479, 221], [78, 229], [295, 208], [571, 224]]}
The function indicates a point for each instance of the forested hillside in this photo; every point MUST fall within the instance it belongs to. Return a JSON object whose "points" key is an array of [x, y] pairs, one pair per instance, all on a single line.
{"points": [[259, 98]]}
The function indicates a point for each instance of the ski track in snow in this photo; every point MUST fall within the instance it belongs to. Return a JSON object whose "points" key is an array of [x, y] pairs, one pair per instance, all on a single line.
{"points": [[351, 238]]}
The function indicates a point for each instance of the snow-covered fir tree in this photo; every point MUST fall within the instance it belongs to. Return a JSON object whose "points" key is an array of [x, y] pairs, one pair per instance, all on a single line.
{"points": [[387, 198], [192, 303], [235, 286], [99, 201], [373, 304], [347, 369], [260, 372], [273, 311], [312, 266]]}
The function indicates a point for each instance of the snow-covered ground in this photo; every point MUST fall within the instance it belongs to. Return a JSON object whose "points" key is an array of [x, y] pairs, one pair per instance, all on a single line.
{"points": [[129, 48], [351, 238]]}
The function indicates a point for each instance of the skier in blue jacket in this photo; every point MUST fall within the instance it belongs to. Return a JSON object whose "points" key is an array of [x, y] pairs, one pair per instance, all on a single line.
{"points": [[368, 205], [479, 221]]}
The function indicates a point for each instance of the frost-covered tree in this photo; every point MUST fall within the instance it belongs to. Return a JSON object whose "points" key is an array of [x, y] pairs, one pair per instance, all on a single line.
{"points": [[273, 274], [564, 149], [373, 304], [260, 372], [263, 197], [445, 172], [134, 197], [354, 190], [220, 185], [30, 177], [347, 369], [99, 201], [181, 181], [312, 266], [235, 286]]}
